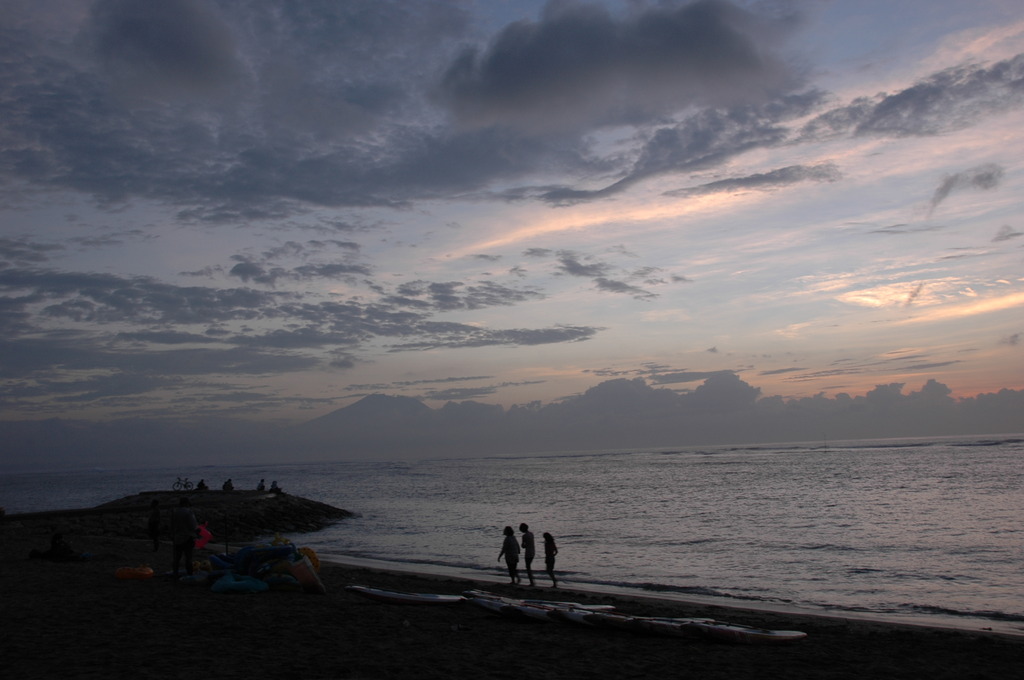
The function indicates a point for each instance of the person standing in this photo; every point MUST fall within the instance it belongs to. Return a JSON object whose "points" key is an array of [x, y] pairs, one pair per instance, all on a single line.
{"points": [[183, 534], [529, 550], [510, 551], [153, 524], [550, 550]]}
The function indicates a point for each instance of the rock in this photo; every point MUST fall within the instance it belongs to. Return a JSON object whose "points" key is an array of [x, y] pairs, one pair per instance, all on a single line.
{"points": [[231, 515]]}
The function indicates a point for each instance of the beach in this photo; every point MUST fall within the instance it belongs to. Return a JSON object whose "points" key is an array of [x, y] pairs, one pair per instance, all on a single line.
{"points": [[76, 620]]}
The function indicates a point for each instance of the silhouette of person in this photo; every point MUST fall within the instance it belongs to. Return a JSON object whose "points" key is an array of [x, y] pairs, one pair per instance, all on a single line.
{"points": [[59, 551], [510, 551], [550, 550], [262, 486], [184, 529], [153, 524], [227, 486], [201, 486], [274, 487], [529, 550]]}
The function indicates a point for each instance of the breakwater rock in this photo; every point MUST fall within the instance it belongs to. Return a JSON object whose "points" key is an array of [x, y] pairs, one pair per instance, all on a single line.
{"points": [[235, 516]]}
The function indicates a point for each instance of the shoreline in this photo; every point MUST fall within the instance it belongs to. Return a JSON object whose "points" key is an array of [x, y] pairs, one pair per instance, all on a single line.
{"points": [[78, 620], [122, 517], [947, 623]]}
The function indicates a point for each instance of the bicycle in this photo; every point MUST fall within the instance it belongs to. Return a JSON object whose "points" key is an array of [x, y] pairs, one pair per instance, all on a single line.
{"points": [[182, 484]]}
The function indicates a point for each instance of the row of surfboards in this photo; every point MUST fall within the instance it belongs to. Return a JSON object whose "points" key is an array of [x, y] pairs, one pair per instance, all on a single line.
{"points": [[592, 615]]}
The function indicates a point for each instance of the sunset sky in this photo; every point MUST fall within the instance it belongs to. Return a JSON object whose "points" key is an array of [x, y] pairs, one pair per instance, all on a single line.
{"points": [[271, 209]]}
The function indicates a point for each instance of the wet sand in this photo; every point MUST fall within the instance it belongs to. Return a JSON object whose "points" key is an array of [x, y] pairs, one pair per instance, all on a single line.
{"points": [[76, 620]]}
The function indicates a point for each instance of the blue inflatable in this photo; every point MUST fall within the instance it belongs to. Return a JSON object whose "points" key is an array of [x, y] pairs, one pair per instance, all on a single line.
{"points": [[249, 559], [234, 584]]}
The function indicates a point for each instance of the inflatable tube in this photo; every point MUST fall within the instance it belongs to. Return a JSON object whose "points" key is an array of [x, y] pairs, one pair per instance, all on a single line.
{"points": [[222, 561], [285, 582], [128, 573], [198, 578], [235, 584]]}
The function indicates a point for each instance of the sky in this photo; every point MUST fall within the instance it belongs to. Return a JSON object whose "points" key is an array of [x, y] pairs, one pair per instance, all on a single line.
{"points": [[270, 210]]}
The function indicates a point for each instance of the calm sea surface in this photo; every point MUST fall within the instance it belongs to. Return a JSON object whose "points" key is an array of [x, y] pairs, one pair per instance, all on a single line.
{"points": [[897, 528]]}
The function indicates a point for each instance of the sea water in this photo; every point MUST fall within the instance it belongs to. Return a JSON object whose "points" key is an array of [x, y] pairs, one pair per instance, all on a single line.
{"points": [[924, 529]]}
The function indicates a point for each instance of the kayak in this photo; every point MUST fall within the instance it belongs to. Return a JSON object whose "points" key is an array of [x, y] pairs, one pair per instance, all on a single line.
{"points": [[603, 619], [739, 633], [399, 597], [513, 610], [483, 594], [708, 629]]}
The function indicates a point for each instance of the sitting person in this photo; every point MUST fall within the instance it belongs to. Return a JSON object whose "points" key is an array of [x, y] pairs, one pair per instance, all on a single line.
{"points": [[228, 486], [201, 486], [261, 486], [274, 488], [60, 551]]}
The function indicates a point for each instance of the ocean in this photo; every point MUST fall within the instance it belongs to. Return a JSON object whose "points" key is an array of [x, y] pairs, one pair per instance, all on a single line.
{"points": [[916, 530]]}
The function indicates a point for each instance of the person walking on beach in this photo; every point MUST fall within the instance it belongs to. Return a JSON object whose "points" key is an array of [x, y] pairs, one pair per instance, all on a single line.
{"points": [[153, 524], [529, 550], [184, 528], [550, 550], [510, 551]]}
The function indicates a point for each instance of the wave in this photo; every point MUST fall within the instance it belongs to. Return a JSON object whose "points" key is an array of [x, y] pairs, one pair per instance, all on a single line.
{"points": [[995, 615]]}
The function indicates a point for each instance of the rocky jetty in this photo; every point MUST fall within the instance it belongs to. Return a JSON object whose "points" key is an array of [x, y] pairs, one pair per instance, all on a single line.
{"points": [[235, 516]]}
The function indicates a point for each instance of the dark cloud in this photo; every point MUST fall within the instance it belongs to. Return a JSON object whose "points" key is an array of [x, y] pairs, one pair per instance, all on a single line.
{"points": [[569, 263], [579, 66], [907, 228], [21, 252], [459, 393], [261, 111], [706, 139], [793, 174], [1005, 233], [537, 252], [782, 371], [173, 44], [948, 100], [983, 177], [138, 331], [460, 335], [945, 101], [669, 378], [454, 295], [612, 286], [166, 337]]}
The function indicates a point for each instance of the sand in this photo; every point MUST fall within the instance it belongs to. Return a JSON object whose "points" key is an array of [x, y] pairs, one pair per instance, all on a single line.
{"points": [[76, 620]]}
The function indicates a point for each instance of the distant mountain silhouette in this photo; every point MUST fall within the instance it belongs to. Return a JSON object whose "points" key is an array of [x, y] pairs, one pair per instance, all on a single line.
{"points": [[373, 408], [394, 421], [624, 414]]}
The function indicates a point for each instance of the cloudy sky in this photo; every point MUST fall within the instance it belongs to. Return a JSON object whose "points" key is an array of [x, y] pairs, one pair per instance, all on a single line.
{"points": [[270, 209]]}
